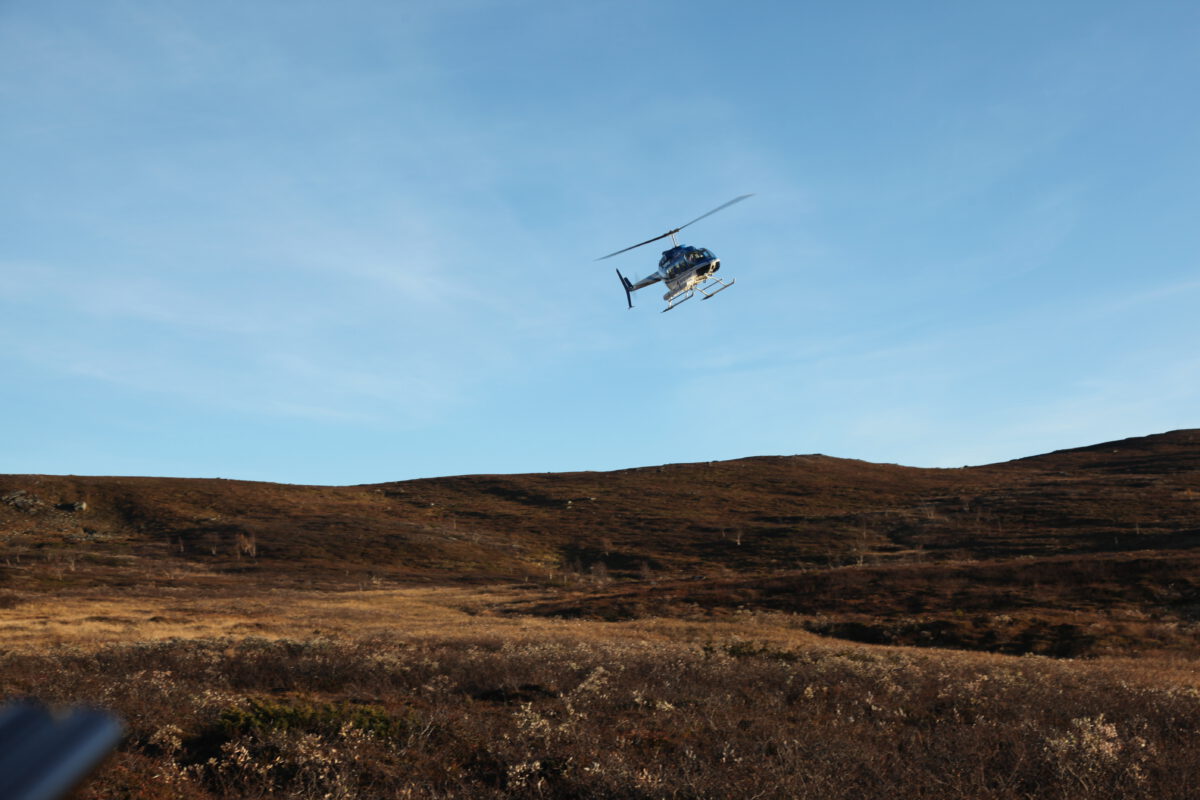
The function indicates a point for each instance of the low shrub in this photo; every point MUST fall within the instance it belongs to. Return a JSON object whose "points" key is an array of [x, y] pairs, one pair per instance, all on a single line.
{"points": [[491, 718]]}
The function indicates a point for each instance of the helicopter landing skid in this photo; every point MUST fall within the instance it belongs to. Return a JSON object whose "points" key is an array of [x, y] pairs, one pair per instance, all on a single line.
{"points": [[724, 286], [701, 288]]}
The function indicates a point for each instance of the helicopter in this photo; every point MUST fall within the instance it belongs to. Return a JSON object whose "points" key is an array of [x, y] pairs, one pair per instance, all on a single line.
{"points": [[685, 269]]}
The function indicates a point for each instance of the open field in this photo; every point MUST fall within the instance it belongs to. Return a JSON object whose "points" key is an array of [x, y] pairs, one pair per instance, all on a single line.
{"points": [[422, 693], [426, 693], [794, 627]]}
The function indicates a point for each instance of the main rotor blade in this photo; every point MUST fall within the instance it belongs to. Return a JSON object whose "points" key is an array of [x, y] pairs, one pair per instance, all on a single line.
{"points": [[674, 231], [710, 213], [648, 241]]}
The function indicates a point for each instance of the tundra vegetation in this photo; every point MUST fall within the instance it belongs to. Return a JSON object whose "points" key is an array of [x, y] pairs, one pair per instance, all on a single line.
{"points": [[818, 628]]}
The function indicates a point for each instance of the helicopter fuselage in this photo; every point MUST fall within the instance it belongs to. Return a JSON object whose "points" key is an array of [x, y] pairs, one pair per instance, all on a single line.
{"points": [[685, 269], [680, 265], [685, 259]]}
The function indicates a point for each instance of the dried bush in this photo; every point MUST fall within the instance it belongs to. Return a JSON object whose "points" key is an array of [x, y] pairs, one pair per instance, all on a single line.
{"points": [[495, 718]]}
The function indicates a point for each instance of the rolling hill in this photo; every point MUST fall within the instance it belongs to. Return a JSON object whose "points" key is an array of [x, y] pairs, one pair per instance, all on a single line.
{"points": [[1018, 556]]}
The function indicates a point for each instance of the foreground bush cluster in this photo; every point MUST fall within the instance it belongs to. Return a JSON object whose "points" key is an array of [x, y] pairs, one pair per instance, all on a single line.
{"points": [[496, 718]]}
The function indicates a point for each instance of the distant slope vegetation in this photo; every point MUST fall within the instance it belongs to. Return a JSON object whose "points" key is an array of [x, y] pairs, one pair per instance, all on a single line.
{"points": [[1114, 525]]}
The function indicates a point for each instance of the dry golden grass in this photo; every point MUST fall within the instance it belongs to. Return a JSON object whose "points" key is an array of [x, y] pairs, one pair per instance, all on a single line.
{"points": [[440, 692], [417, 613]]}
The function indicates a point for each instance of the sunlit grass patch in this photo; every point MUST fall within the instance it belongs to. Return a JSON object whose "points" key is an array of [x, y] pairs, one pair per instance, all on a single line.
{"points": [[539, 714]]}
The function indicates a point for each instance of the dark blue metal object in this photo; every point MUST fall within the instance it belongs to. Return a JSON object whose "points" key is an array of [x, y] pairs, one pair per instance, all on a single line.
{"points": [[685, 269], [43, 755]]}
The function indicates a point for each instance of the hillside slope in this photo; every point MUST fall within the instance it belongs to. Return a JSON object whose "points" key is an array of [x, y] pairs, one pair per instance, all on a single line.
{"points": [[749, 514], [1111, 528]]}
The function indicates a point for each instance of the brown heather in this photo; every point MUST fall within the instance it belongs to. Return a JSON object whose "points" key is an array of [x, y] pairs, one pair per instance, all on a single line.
{"points": [[775, 628], [506, 717]]}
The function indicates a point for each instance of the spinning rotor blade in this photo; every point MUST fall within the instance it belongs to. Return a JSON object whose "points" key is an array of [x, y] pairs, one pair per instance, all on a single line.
{"points": [[674, 231], [710, 213], [648, 241]]}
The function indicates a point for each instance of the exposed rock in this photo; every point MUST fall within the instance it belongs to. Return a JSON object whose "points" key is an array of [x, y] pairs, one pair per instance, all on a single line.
{"points": [[22, 500]]}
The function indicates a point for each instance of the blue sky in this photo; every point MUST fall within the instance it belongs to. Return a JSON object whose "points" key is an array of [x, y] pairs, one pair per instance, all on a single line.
{"points": [[353, 242]]}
